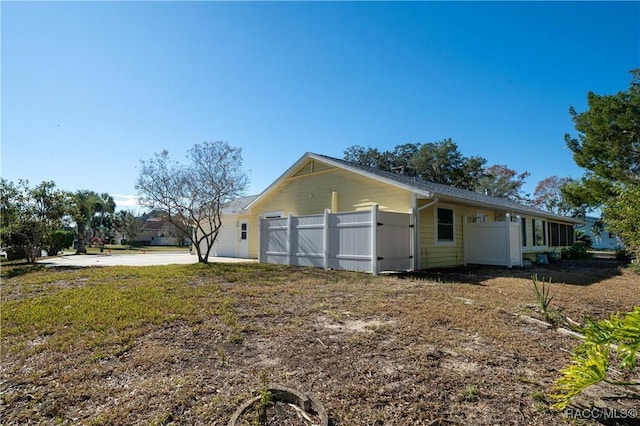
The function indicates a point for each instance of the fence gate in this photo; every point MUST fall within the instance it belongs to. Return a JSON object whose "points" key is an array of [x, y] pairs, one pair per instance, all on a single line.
{"points": [[366, 241], [395, 241]]}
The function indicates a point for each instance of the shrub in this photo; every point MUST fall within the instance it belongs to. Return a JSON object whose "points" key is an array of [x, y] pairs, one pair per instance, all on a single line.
{"points": [[583, 238], [622, 255], [576, 251], [553, 256], [59, 240]]}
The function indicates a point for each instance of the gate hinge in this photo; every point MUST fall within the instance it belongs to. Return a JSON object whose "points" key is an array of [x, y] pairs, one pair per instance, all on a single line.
{"points": [[380, 258]]}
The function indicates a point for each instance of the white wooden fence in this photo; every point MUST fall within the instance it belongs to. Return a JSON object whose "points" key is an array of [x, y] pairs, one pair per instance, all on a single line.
{"points": [[493, 243], [367, 241]]}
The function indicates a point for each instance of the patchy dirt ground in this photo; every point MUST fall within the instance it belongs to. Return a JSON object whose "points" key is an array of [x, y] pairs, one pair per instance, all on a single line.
{"points": [[440, 347]]}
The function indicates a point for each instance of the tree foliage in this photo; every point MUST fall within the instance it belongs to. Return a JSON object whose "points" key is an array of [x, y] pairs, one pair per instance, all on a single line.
{"points": [[548, 195], [439, 162], [442, 162], [623, 216], [127, 224], [192, 195], [608, 148], [59, 240], [591, 361], [502, 182], [608, 142], [29, 216], [104, 211], [83, 205]]}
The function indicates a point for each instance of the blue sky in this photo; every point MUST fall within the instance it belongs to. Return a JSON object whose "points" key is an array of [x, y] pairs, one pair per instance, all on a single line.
{"points": [[91, 88]]}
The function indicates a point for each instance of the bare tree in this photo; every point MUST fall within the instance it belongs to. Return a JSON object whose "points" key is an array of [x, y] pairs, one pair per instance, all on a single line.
{"points": [[192, 195], [548, 195]]}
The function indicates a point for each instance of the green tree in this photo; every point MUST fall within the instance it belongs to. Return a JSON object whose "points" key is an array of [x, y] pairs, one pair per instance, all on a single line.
{"points": [[101, 222], [608, 148], [192, 195], [502, 182], [368, 157], [442, 162], [127, 224], [439, 162], [623, 216], [83, 206], [59, 240], [29, 216], [607, 145]]}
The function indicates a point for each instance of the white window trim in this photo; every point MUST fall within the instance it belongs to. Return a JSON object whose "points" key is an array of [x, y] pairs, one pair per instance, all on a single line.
{"points": [[435, 225]]}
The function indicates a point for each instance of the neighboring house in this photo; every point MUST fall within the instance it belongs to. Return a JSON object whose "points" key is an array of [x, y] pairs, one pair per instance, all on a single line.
{"points": [[156, 231], [605, 240], [445, 226], [232, 240]]}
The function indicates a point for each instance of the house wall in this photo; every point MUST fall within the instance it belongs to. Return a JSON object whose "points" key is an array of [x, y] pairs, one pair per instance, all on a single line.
{"points": [[605, 241], [530, 250], [311, 190], [434, 254], [226, 244], [316, 186]]}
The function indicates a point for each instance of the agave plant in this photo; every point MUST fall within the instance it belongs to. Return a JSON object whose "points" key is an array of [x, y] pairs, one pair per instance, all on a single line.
{"points": [[543, 297]]}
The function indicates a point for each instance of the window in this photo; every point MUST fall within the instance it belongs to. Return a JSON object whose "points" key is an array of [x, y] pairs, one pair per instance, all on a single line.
{"points": [[243, 231], [560, 235], [539, 234], [554, 231], [524, 231], [445, 224], [564, 237]]}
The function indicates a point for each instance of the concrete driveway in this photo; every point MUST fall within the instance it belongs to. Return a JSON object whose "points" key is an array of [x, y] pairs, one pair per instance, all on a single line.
{"points": [[146, 259]]}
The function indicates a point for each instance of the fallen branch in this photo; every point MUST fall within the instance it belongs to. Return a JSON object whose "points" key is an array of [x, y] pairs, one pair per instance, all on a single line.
{"points": [[535, 321]]}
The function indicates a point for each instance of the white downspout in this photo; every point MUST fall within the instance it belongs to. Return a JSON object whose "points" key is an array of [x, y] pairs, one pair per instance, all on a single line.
{"points": [[435, 200], [417, 230]]}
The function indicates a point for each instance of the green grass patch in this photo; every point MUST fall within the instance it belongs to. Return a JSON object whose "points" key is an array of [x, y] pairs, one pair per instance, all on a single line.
{"points": [[106, 306]]}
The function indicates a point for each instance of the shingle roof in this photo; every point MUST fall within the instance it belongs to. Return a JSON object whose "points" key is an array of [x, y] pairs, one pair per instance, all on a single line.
{"points": [[437, 189], [238, 204]]}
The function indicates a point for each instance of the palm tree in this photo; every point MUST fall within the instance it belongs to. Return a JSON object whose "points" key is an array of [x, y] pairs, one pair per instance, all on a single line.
{"points": [[84, 204], [106, 208]]}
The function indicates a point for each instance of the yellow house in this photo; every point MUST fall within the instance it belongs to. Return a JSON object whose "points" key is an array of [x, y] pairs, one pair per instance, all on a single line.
{"points": [[447, 226]]}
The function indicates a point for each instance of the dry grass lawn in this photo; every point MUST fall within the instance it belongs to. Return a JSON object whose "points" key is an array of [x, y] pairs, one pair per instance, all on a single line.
{"points": [[186, 344]]}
